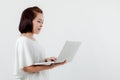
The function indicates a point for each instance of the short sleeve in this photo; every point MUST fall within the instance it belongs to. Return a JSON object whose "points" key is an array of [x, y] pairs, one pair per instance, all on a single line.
{"points": [[23, 56]]}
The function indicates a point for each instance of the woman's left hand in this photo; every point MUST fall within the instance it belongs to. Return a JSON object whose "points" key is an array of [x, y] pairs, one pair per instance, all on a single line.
{"points": [[50, 59]]}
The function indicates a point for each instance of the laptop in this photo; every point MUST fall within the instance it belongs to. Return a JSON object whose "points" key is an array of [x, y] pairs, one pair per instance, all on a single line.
{"points": [[67, 53]]}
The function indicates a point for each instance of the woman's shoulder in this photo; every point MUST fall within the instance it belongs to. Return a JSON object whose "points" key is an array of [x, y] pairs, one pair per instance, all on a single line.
{"points": [[21, 39], [24, 39]]}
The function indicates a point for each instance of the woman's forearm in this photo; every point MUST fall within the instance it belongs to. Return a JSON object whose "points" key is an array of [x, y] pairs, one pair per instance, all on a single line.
{"points": [[36, 68]]}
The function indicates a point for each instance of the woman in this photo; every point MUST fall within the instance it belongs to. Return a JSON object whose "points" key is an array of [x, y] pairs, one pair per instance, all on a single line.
{"points": [[28, 51]]}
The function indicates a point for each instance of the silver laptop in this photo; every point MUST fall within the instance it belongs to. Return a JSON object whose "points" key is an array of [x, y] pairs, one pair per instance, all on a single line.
{"points": [[69, 50]]}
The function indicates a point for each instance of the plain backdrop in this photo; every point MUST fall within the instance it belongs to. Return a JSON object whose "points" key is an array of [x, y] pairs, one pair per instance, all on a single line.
{"points": [[96, 23]]}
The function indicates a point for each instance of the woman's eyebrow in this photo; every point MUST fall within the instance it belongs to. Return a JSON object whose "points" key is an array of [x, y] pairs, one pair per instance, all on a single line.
{"points": [[40, 19]]}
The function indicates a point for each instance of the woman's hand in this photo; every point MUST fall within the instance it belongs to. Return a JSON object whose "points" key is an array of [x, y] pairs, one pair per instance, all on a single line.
{"points": [[54, 64], [50, 59], [57, 64]]}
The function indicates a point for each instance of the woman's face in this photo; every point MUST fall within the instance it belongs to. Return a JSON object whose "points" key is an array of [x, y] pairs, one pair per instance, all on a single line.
{"points": [[37, 23]]}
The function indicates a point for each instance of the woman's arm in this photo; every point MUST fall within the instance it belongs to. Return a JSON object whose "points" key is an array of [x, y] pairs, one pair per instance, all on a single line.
{"points": [[35, 68]]}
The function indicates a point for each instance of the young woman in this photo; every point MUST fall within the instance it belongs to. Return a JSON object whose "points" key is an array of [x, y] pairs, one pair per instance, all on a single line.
{"points": [[28, 51]]}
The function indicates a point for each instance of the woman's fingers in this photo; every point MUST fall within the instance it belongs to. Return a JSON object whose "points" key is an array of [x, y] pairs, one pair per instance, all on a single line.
{"points": [[50, 59]]}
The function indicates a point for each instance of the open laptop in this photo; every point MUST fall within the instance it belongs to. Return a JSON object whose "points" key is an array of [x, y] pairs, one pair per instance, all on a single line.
{"points": [[69, 50]]}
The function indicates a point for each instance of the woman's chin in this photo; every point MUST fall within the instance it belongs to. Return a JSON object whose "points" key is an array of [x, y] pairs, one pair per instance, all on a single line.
{"points": [[36, 32]]}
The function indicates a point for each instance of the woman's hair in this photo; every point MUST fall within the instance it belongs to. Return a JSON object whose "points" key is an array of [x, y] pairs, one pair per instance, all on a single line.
{"points": [[27, 17]]}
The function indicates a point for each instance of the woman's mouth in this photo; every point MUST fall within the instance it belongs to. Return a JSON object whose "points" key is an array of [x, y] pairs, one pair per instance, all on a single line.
{"points": [[38, 28]]}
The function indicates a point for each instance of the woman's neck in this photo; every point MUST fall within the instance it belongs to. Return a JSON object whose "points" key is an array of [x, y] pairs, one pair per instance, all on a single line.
{"points": [[28, 35]]}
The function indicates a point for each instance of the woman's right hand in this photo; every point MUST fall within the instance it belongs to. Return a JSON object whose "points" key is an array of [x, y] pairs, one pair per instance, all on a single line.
{"points": [[57, 64]]}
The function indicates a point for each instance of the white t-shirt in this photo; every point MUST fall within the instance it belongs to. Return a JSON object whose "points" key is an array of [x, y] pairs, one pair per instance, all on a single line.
{"points": [[28, 52]]}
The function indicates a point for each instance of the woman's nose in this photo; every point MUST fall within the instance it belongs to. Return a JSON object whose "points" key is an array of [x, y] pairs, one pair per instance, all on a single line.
{"points": [[41, 25]]}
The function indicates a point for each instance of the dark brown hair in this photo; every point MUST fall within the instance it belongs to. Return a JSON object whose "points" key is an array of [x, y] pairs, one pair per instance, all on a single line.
{"points": [[27, 17]]}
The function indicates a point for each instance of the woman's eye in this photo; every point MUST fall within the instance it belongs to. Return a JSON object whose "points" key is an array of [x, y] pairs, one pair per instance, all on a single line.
{"points": [[39, 21]]}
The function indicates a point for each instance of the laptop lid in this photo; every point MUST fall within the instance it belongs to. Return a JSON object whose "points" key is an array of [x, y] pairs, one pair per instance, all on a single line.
{"points": [[69, 50]]}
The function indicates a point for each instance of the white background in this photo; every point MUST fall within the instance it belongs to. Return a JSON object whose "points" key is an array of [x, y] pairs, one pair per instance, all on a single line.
{"points": [[94, 22]]}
